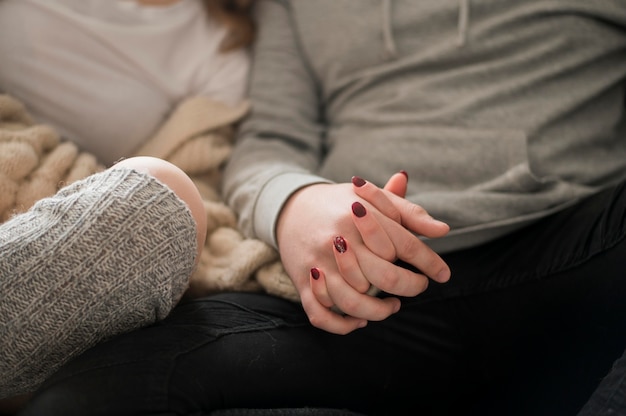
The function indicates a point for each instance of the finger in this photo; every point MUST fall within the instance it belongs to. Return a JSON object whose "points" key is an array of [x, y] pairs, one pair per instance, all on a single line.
{"points": [[397, 184], [377, 197], [414, 251], [359, 305], [416, 218], [318, 287], [392, 278], [372, 233], [327, 320], [353, 302], [412, 216], [348, 265]]}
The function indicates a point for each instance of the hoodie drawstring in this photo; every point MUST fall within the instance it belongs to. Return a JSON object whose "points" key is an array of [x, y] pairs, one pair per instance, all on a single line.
{"points": [[390, 45]]}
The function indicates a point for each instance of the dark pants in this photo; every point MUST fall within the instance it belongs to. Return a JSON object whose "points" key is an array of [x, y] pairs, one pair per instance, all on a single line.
{"points": [[528, 325]]}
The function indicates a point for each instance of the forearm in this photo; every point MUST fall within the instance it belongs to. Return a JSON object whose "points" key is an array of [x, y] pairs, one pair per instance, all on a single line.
{"points": [[280, 144]]}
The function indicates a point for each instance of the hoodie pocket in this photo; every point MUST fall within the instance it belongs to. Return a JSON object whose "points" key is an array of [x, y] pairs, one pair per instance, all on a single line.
{"points": [[437, 158]]}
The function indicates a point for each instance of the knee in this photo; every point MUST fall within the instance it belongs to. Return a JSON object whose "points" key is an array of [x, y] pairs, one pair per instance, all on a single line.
{"points": [[178, 181]]}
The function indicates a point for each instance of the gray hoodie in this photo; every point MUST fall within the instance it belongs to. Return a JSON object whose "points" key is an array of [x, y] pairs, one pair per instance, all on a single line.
{"points": [[501, 111]]}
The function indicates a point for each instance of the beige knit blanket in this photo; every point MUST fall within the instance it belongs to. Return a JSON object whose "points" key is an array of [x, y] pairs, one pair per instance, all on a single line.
{"points": [[35, 162]]}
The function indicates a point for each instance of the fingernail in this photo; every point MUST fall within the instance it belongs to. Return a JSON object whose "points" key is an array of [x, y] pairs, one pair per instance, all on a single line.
{"points": [[340, 244], [362, 324], [358, 209], [358, 181], [404, 172], [315, 273]]}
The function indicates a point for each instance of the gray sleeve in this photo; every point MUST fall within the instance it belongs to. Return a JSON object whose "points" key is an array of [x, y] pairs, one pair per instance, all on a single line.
{"points": [[280, 144], [105, 255]]}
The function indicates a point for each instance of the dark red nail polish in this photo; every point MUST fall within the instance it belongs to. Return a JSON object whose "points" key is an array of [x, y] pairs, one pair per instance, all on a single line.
{"points": [[315, 273], [358, 181], [404, 172], [340, 244], [358, 209]]}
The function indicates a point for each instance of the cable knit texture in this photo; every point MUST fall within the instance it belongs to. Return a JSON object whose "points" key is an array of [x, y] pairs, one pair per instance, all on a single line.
{"points": [[105, 255], [129, 229]]}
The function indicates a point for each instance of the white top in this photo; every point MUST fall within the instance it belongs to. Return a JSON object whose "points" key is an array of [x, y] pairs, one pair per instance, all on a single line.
{"points": [[106, 74]]}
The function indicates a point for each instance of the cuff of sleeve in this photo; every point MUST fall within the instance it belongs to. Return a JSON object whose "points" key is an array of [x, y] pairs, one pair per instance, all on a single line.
{"points": [[272, 198]]}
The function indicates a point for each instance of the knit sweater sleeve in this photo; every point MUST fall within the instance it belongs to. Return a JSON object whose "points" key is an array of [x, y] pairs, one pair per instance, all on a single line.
{"points": [[281, 142], [103, 256]]}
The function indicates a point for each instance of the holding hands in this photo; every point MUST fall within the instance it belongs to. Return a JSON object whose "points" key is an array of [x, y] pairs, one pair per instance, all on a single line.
{"points": [[365, 241]]}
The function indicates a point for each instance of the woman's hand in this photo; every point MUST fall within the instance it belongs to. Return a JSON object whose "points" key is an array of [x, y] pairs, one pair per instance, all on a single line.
{"points": [[307, 227], [323, 251]]}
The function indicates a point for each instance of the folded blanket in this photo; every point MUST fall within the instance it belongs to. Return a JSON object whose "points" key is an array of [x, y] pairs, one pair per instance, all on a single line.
{"points": [[197, 137], [34, 163]]}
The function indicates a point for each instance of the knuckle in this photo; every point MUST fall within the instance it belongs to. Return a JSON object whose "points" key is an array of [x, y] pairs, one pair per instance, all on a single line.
{"points": [[389, 279], [414, 210], [395, 214], [382, 312], [421, 284], [349, 305], [317, 321], [362, 286], [409, 248], [433, 264], [388, 254]]}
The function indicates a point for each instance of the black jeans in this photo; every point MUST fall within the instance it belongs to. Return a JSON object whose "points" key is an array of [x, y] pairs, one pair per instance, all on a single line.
{"points": [[529, 324]]}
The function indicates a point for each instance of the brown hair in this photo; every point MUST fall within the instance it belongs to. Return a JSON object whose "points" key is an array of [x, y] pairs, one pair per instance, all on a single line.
{"points": [[236, 15]]}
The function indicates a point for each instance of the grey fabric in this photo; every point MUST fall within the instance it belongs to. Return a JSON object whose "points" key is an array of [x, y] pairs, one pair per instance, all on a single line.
{"points": [[501, 112], [103, 256]]}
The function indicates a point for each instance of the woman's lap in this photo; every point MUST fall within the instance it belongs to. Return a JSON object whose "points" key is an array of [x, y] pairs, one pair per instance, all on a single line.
{"points": [[530, 321]]}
